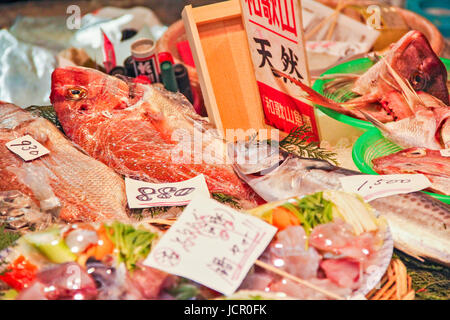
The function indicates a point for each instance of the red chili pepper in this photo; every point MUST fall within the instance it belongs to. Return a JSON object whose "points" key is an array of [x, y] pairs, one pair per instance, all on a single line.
{"points": [[19, 274]]}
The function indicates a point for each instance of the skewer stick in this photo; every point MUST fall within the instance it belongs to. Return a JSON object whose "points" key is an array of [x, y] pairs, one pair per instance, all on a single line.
{"points": [[161, 221], [298, 280], [341, 5], [319, 26], [269, 267]]}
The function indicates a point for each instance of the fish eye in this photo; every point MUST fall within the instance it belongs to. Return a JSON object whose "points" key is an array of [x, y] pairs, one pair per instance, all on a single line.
{"points": [[419, 81], [76, 93]]}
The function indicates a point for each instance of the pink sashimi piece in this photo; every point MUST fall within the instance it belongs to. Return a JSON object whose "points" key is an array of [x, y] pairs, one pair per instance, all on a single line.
{"points": [[288, 252], [343, 272]]}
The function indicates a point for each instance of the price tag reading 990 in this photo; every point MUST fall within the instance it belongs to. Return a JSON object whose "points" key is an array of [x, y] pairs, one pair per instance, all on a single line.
{"points": [[27, 148], [373, 187]]}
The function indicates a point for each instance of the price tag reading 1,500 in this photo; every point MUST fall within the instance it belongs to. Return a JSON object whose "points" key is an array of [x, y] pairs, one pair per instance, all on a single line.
{"points": [[27, 148], [373, 187]]}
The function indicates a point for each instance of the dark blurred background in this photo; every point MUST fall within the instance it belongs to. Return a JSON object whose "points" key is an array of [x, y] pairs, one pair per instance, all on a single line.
{"points": [[168, 11]]}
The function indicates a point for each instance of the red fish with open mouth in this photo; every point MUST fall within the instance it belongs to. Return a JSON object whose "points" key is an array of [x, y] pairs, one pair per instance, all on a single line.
{"points": [[133, 128]]}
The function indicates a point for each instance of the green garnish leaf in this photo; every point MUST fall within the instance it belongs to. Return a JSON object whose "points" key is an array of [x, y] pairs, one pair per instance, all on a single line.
{"points": [[297, 143], [311, 210], [131, 244], [430, 280], [184, 290], [7, 238], [226, 199]]}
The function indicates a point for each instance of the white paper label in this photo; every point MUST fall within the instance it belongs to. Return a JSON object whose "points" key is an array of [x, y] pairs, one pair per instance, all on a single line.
{"points": [[142, 194], [27, 148], [374, 187], [445, 152], [212, 244]]}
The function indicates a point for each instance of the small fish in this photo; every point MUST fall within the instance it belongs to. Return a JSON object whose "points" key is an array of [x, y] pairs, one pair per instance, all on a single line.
{"points": [[418, 222], [418, 160], [66, 182], [137, 130]]}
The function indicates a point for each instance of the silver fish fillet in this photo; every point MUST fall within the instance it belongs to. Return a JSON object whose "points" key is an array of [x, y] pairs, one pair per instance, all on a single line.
{"points": [[420, 224]]}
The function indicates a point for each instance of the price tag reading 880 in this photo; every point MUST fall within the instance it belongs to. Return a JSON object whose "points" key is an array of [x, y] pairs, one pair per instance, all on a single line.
{"points": [[144, 194], [27, 148]]}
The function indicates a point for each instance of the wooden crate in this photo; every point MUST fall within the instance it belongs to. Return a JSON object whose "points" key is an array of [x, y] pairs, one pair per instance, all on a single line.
{"points": [[221, 53]]}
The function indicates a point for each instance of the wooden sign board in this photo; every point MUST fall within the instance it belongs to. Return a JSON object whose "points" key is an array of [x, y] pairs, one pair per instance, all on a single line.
{"points": [[275, 36], [221, 53]]}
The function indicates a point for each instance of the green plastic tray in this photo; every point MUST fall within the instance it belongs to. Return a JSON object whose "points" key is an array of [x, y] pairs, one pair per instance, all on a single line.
{"points": [[372, 145], [358, 66]]}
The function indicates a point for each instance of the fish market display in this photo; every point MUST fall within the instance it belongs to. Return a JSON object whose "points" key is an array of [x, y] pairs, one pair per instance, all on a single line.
{"points": [[417, 221], [418, 160], [321, 241], [136, 130], [380, 97], [65, 182]]}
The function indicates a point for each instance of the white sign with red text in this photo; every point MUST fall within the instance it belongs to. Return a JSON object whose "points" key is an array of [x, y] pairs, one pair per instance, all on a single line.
{"points": [[212, 244], [275, 38]]}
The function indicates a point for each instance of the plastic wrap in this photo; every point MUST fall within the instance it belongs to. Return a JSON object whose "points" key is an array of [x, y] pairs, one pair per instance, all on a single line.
{"points": [[28, 50], [25, 71], [143, 132], [65, 181]]}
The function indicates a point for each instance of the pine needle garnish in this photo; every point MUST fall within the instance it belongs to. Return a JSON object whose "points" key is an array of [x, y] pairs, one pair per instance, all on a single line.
{"points": [[7, 238], [430, 280], [297, 143], [226, 199]]}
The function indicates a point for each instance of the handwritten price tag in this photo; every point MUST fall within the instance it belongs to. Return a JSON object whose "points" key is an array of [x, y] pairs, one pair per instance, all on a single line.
{"points": [[27, 148], [374, 187], [445, 152], [212, 244], [142, 194]]}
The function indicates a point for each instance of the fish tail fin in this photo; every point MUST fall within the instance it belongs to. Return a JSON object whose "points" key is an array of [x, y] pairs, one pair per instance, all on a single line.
{"points": [[409, 251], [312, 95]]}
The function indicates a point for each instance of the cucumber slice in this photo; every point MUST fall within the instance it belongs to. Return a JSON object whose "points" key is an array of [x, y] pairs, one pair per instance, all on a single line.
{"points": [[51, 245]]}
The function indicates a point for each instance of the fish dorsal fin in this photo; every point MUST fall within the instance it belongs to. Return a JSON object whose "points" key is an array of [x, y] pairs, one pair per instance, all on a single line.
{"points": [[310, 94], [407, 90]]}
